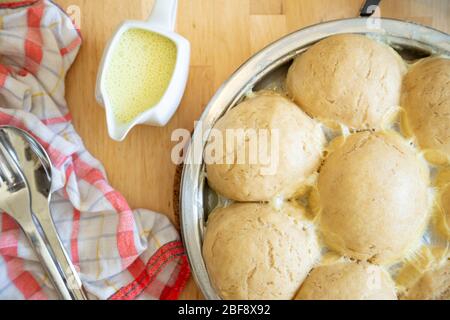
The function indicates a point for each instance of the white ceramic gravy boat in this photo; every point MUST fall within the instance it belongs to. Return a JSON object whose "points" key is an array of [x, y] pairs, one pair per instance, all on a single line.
{"points": [[161, 21]]}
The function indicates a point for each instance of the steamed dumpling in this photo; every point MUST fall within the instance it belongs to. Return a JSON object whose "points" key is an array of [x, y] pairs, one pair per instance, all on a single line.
{"points": [[373, 197], [349, 79], [252, 251], [295, 152], [348, 281], [426, 99]]}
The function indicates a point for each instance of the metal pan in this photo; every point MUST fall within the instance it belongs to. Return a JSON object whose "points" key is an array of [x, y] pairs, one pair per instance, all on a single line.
{"points": [[267, 67]]}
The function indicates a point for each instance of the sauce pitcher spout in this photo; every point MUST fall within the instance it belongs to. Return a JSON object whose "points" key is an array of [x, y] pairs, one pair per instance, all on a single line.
{"points": [[119, 131]]}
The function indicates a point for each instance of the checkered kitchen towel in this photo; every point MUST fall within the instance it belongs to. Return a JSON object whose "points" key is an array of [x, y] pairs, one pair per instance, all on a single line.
{"points": [[122, 254]]}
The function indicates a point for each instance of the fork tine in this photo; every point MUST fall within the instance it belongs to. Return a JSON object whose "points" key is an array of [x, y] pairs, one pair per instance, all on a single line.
{"points": [[4, 183], [4, 170], [10, 171]]}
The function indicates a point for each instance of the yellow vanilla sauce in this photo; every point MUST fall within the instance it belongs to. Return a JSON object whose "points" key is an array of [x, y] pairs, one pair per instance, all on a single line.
{"points": [[139, 73]]}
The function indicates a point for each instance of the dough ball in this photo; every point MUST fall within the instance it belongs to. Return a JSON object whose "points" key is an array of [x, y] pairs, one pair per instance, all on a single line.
{"points": [[349, 79], [348, 281], [293, 151], [254, 252], [426, 99], [373, 197], [433, 285]]}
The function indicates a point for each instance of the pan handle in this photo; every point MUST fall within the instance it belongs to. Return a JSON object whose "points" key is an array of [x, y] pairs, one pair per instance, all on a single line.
{"points": [[369, 7]]}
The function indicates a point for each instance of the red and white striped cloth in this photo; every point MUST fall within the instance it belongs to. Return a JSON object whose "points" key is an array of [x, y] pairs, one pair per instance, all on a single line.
{"points": [[121, 254]]}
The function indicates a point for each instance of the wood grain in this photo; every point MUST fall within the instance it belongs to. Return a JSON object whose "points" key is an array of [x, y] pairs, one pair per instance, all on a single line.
{"points": [[223, 34]]}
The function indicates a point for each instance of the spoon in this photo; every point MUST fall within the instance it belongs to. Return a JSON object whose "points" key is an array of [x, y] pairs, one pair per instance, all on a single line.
{"points": [[15, 200], [37, 169]]}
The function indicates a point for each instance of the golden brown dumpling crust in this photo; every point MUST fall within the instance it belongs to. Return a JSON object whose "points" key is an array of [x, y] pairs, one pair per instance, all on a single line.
{"points": [[298, 155], [350, 79], [373, 194], [426, 99], [348, 281], [254, 252]]}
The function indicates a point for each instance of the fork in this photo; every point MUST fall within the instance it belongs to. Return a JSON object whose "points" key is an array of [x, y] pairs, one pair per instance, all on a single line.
{"points": [[15, 200]]}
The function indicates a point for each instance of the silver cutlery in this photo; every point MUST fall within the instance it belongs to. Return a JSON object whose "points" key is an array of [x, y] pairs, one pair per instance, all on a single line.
{"points": [[37, 169], [15, 200]]}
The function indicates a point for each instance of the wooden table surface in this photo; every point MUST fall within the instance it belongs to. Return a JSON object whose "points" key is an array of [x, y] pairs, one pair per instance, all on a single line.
{"points": [[223, 34]]}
